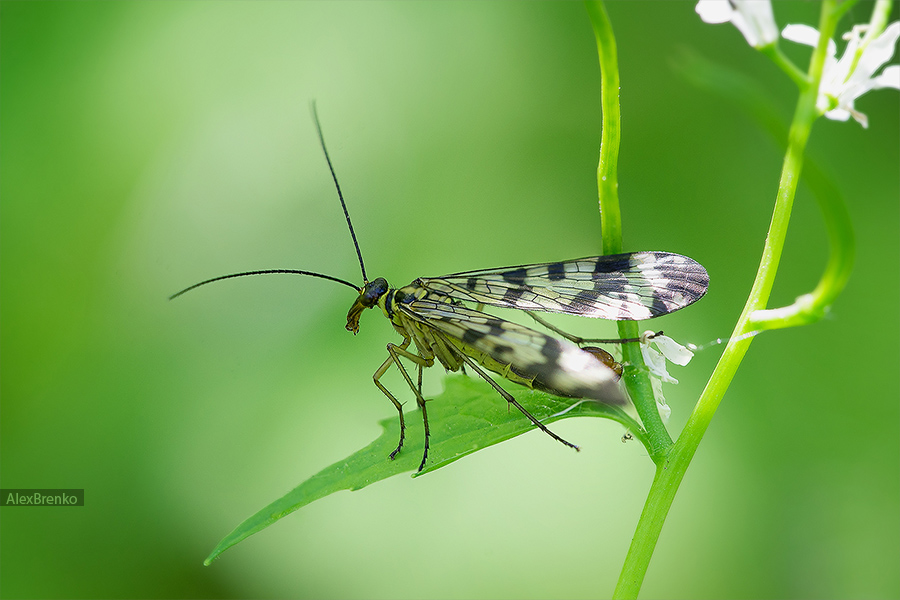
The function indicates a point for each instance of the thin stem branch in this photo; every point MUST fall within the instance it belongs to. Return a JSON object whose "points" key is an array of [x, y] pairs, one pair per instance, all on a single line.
{"points": [[812, 307], [636, 377], [773, 51], [752, 98]]}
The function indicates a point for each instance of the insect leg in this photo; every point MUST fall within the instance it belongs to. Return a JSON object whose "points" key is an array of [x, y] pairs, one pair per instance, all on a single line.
{"points": [[396, 352], [580, 340], [393, 359], [381, 371], [572, 338], [424, 418], [508, 397]]}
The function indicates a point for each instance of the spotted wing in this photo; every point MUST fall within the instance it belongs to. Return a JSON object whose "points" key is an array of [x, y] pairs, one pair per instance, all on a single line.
{"points": [[632, 286], [554, 365]]}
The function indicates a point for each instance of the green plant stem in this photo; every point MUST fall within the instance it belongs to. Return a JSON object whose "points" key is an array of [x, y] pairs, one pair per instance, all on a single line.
{"points": [[636, 377], [752, 98], [811, 307], [786, 65], [670, 473], [880, 16], [842, 8], [610, 132]]}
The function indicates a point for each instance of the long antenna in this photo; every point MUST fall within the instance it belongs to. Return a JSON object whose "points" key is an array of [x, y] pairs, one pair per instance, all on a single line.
{"points": [[297, 271], [265, 272], [362, 267]]}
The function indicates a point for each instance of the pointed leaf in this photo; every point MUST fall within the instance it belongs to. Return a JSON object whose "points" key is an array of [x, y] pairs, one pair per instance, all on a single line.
{"points": [[468, 416]]}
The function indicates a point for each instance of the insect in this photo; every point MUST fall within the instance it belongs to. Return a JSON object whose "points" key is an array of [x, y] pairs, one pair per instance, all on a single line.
{"points": [[436, 325]]}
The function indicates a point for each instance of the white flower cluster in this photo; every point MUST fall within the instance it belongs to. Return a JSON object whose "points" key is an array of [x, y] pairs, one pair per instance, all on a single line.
{"points": [[843, 80]]}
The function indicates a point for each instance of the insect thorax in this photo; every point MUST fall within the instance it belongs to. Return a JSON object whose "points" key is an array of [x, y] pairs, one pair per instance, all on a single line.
{"points": [[430, 343], [378, 293]]}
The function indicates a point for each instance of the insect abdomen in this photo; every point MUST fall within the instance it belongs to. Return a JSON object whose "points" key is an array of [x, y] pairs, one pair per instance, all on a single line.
{"points": [[505, 370], [563, 370]]}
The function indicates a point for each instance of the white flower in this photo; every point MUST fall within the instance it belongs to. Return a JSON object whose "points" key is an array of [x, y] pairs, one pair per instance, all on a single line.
{"points": [[666, 348], [665, 411], [753, 18], [655, 359], [842, 80]]}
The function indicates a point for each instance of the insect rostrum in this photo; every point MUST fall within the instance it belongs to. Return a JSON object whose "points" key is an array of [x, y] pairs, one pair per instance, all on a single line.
{"points": [[436, 325]]}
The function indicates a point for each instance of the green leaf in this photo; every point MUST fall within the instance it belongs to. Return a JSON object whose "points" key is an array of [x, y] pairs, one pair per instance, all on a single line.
{"points": [[468, 416]]}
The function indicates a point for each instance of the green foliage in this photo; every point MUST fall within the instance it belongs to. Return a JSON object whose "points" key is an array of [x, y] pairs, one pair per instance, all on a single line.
{"points": [[468, 416]]}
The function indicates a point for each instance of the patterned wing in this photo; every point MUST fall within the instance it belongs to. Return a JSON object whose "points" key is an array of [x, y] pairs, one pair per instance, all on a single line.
{"points": [[554, 365], [632, 286]]}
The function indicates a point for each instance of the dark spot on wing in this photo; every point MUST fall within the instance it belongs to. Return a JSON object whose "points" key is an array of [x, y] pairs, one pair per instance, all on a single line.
{"points": [[513, 294], [658, 306], [611, 283], [503, 349], [556, 271], [496, 326], [516, 276], [551, 352], [470, 336], [614, 262], [585, 298]]}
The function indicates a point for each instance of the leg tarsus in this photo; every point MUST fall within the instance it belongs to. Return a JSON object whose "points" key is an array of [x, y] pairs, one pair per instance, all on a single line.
{"points": [[427, 436]]}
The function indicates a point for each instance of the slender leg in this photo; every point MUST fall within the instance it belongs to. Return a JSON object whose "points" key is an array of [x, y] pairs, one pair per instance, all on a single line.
{"points": [[424, 419], [421, 362], [421, 368], [381, 371], [508, 397], [396, 352], [427, 436], [580, 340]]}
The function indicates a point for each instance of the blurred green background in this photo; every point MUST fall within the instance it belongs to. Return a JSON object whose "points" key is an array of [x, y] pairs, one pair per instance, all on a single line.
{"points": [[147, 146]]}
